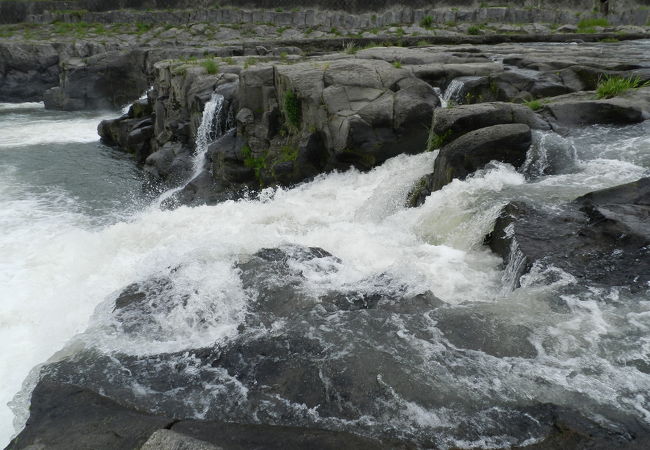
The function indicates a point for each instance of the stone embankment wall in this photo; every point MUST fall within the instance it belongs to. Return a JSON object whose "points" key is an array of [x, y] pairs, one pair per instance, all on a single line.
{"points": [[291, 12], [306, 18]]}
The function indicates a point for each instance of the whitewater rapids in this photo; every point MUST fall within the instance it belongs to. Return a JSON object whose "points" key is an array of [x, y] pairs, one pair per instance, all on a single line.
{"points": [[69, 245]]}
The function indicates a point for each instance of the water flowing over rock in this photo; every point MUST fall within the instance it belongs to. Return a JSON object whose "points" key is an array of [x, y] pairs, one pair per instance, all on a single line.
{"points": [[601, 238]]}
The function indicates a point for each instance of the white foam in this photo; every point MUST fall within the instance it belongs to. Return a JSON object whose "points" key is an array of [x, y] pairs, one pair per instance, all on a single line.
{"points": [[16, 131]]}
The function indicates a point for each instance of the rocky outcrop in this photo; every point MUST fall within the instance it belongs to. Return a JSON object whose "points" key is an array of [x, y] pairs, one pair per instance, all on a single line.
{"points": [[332, 114], [291, 361], [470, 136], [600, 238], [132, 132], [329, 12], [26, 71], [630, 107], [450, 123], [506, 143], [103, 81]]}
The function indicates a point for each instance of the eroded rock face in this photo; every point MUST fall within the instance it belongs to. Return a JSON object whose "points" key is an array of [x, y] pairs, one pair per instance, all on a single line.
{"points": [[601, 238], [359, 112], [104, 81], [27, 71]]}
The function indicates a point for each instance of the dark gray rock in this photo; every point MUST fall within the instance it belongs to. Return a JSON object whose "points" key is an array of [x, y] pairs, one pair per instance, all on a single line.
{"points": [[68, 417], [601, 238], [64, 416], [27, 70], [172, 163], [104, 81], [472, 151], [591, 112], [450, 123], [171, 440]]}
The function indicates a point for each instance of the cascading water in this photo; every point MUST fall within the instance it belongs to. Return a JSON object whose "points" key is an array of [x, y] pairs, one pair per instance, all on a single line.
{"points": [[213, 124], [452, 92], [209, 130], [461, 369]]}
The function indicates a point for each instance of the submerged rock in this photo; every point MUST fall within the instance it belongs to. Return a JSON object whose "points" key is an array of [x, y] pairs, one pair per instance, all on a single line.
{"points": [[602, 238]]}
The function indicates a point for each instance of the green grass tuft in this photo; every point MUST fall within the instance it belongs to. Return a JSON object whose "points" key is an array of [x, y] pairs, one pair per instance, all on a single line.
{"points": [[210, 66], [534, 105], [426, 22], [611, 86], [473, 30], [588, 25]]}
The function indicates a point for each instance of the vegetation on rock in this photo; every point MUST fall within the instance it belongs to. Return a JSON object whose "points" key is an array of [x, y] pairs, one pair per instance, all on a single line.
{"points": [[611, 86]]}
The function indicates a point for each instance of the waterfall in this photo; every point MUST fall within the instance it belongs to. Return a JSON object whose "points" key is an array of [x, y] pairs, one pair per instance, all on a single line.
{"points": [[452, 92], [126, 108], [212, 127]]}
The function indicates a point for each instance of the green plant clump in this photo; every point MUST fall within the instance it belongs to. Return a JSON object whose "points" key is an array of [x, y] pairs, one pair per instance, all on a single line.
{"points": [[426, 22], [473, 30], [257, 164], [436, 141], [293, 109], [611, 86], [588, 25], [534, 105], [288, 153], [397, 64], [210, 66]]}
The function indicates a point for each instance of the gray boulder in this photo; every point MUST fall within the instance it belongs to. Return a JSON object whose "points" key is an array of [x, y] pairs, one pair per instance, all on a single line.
{"points": [[507, 143], [450, 123]]}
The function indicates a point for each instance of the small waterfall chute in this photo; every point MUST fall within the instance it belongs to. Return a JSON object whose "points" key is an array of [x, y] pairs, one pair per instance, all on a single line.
{"points": [[213, 123]]}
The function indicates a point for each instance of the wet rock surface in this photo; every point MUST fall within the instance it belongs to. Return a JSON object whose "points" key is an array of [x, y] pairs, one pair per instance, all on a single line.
{"points": [[312, 359], [69, 417], [601, 238]]}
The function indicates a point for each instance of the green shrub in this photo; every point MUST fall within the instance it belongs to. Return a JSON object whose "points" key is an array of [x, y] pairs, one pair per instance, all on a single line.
{"points": [[611, 86], [473, 30], [210, 66], [426, 22], [397, 64], [293, 109]]}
